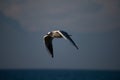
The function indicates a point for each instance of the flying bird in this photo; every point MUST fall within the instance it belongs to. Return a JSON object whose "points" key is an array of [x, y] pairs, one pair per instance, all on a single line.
{"points": [[56, 34]]}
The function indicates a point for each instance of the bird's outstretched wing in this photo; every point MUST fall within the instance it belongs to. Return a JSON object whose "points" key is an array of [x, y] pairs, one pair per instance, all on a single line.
{"points": [[48, 44], [66, 36]]}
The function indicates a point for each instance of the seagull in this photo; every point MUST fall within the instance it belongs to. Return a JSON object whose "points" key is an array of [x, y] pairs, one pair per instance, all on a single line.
{"points": [[56, 34]]}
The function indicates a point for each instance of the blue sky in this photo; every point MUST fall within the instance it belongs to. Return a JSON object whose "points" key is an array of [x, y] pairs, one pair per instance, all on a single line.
{"points": [[94, 25]]}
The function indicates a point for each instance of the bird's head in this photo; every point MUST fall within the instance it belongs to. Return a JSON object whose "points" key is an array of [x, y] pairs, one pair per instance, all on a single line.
{"points": [[49, 33]]}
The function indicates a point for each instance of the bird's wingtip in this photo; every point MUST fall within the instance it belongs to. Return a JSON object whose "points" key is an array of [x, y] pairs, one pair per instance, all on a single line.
{"points": [[52, 56], [77, 48]]}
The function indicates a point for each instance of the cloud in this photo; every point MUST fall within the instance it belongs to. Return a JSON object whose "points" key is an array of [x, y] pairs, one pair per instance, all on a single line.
{"points": [[78, 15], [6, 22]]}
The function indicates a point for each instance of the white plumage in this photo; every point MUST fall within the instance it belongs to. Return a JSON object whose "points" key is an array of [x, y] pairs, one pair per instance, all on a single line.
{"points": [[56, 34]]}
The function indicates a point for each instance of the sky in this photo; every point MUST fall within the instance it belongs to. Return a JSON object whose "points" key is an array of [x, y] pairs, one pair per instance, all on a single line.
{"points": [[93, 24]]}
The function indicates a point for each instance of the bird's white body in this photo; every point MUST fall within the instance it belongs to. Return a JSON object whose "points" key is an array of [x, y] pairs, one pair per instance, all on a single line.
{"points": [[55, 34]]}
